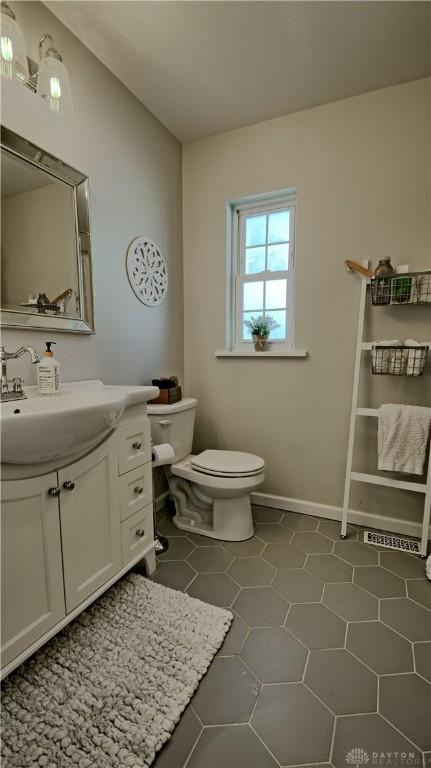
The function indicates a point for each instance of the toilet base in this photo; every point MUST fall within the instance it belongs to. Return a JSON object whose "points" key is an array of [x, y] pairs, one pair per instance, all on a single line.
{"points": [[213, 506], [231, 521]]}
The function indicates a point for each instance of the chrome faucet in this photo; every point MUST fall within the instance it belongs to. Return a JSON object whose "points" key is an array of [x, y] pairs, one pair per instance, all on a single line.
{"points": [[16, 392]]}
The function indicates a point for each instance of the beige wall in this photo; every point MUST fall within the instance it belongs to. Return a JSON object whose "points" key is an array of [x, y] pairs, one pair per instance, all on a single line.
{"points": [[362, 172], [38, 245], [134, 167]]}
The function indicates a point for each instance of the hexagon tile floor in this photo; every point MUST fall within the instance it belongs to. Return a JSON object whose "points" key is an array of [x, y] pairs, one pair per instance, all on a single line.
{"points": [[328, 659]]}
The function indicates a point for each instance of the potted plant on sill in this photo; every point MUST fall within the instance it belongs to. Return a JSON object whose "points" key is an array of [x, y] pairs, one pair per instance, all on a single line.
{"points": [[260, 327]]}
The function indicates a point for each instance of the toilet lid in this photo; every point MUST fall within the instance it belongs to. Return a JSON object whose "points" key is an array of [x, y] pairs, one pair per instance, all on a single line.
{"points": [[227, 463]]}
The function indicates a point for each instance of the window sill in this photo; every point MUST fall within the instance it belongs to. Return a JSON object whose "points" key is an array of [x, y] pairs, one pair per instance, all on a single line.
{"points": [[270, 353]]}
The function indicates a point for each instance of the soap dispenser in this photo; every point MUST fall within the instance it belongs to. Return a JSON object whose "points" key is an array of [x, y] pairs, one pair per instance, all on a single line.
{"points": [[48, 372]]}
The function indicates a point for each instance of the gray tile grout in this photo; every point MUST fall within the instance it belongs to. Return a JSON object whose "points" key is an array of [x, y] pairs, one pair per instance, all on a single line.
{"points": [[397, 632], [378, 693], [401, 733], [196, 713], [316, 696], [193, 747], [249, 628], [419, 604], [364, 663], [250, 725], [304, 671], [331, 748]]}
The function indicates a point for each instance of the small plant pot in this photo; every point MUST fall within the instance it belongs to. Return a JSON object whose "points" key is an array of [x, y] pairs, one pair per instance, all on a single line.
{"points": [[260, 343]]}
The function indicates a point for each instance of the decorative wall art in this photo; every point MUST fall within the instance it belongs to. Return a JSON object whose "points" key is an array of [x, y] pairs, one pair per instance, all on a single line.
{"points": [[147, 271]]}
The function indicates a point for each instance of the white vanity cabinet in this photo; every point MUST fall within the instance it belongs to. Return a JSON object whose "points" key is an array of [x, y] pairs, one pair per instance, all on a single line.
{"points": [[90, 530], [69, 534], [32, 594]]}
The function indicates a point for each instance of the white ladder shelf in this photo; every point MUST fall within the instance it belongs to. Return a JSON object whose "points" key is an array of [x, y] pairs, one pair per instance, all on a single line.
{"points": [[424, 488]]}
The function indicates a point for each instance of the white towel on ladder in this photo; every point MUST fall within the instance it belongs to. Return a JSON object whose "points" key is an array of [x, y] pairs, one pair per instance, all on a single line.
{"points": [[403, 437]]}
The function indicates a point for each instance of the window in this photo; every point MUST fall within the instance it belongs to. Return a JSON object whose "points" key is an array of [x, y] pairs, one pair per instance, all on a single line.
{"points": [[263, 237]]}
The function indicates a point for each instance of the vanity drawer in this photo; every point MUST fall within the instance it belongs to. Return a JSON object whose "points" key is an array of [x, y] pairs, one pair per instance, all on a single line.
{"points": [[136, 490], [134, 445], [137, 534]]}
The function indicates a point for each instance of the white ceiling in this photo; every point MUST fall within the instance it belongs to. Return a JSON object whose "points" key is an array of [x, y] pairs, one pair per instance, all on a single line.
{"points": [[206, 67]]}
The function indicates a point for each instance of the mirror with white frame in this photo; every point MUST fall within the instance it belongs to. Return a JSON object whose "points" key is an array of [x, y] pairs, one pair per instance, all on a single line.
{"points": [[46, 277]]}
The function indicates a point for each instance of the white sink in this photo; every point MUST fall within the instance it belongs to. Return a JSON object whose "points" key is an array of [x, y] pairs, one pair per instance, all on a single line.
{"points": [[45, 428]]}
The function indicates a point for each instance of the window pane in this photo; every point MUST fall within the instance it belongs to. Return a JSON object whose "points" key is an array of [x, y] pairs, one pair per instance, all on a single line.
{"points": [[246, 335], [253, 296], [275, 297], [278, 333], [278, 227], [254, 260], [255, 230], [278, 257]]}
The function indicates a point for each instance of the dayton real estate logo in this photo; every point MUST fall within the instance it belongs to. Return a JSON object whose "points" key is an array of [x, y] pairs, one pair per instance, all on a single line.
{"points": [[357, 757]]}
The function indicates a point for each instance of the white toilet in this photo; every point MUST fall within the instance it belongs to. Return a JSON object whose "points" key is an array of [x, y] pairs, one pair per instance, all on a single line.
{"points": [[212, 490]]}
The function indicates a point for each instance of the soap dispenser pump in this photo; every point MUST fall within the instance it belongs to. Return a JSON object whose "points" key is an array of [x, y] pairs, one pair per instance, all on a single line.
{"points": [[48, 372]]}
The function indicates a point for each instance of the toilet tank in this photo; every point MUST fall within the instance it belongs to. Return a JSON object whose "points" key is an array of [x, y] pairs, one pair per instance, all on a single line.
{"points": [[174, 424]]}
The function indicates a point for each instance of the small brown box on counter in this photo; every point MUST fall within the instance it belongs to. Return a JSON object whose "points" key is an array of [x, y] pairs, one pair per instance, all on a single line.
{"points": [[168, 396]]}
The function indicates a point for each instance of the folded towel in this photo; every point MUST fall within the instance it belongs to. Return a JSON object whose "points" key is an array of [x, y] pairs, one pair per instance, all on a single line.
{"points": [[403, 437]]}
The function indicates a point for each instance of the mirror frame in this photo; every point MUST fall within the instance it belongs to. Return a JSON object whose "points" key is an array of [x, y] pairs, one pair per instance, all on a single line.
{"points": [[17, 318]]}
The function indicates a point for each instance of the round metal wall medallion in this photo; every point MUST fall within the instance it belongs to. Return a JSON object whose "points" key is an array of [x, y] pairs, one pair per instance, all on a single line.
{"points": [[147, 271]]}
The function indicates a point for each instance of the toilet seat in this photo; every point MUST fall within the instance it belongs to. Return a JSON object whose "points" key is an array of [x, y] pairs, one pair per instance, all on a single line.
{"points": [[227, 463]]}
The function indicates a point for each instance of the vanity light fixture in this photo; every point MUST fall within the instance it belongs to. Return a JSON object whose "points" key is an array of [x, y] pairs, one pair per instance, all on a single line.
{"points": [[53, 82], [49, 79], [12, 48]]}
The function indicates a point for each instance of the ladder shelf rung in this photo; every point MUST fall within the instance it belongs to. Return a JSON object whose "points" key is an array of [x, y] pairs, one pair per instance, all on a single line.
{"points": [[405, 485], [367, 411]]}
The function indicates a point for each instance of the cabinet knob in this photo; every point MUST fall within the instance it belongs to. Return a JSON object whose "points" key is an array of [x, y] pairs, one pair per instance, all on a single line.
{"points": [[137, 445], [138, 490], [54, 491], [69, 485], [140, 532]]}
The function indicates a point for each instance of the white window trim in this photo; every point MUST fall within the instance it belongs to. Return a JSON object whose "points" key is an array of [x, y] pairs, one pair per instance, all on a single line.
{"points": [[236, 211], [264, 355]]}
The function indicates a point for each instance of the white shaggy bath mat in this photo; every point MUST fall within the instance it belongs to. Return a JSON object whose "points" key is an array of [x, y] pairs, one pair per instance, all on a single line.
{"points": [[110, 688]]}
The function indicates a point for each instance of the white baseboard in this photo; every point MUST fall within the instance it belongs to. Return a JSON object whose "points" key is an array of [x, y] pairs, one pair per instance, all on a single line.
{"points": [[366, 519]]}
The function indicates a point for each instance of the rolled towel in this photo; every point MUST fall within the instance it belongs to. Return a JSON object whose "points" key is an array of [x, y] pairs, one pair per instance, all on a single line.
{"points": [[381, 359]]}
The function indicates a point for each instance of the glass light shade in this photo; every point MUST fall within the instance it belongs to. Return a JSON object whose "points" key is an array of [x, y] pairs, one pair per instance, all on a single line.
{"points": [[12, 49], [53, 84]]}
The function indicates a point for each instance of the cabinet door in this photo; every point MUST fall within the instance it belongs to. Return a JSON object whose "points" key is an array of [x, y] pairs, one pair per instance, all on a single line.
{"points": [[90, 524], [32, 577]]}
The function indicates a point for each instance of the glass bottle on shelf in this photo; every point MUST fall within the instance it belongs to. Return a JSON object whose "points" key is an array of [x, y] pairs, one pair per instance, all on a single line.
{"points": [[382, 282]]}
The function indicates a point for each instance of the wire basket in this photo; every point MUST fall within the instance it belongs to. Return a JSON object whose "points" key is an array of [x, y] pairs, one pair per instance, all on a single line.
{"points": [[408, 288], [399, 361]]}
